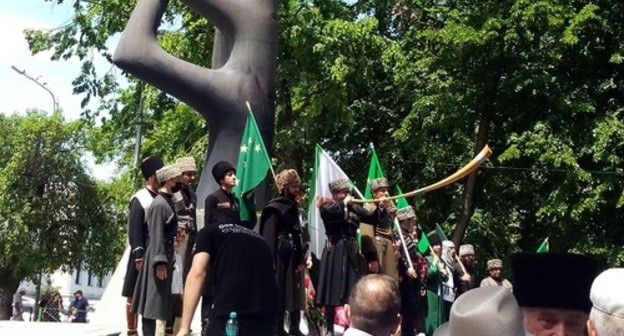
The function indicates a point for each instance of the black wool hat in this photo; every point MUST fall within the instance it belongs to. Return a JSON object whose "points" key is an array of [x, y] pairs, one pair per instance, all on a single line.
{"points": [[434, 239], [553, 280], [150, 165], [220, 168]]}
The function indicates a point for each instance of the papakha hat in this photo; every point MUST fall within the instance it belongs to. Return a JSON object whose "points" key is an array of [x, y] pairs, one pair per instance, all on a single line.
{"points": [[434, 239], [150, 165], [405, 213], [287, 177], [484, 311], [606, 292], [466, 249], [377, 183], [168, 172], [339, 184], [494, 263], [187, 164], [553, 280], [220, 168]]}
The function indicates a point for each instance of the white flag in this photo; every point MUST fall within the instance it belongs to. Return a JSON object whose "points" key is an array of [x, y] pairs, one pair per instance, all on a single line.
{"points": [[325, 171]]}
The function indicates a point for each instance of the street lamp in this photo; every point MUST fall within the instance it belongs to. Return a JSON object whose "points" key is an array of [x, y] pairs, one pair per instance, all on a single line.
{"points": [[42, 85]]}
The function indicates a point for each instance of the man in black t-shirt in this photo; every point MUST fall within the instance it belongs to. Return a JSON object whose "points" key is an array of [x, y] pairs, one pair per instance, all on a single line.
{"points": [[222, 198], [242, 265]]}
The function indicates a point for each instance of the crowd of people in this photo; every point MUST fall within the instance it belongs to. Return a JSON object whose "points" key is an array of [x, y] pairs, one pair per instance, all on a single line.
{"points": [[51, 307], [383, 283]]}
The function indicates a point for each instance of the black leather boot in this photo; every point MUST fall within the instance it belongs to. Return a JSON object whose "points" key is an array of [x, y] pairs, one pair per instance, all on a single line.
{"points": [[295, 320], [279, 326]]}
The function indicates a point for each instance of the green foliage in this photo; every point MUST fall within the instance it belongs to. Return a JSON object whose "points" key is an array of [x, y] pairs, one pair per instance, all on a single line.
{"points": [[426, 81], [52, 214]]}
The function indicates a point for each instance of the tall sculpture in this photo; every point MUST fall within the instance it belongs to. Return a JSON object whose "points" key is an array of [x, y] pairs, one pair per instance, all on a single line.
{"points": [[243, 69]]}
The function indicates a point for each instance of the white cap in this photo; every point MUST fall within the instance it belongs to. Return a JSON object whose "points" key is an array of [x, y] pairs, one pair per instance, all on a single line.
{"points": [[466, 249], [606, 292]]}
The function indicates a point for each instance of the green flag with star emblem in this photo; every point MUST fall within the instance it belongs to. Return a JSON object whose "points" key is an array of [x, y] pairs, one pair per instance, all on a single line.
{"points": [[252, 167], [374, 171]]}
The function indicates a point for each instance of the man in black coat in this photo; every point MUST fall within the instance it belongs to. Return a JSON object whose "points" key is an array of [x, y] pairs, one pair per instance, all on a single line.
{"points": [[137, 233], [342, 264], [281, 225], [225, 175]]}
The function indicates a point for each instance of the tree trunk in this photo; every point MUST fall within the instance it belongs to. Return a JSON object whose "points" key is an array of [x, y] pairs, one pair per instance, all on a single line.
{"points": [[6, 298], [473, 183]]}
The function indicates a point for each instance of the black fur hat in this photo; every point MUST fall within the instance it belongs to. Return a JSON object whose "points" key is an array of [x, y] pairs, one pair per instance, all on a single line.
{"points": [[150, 165], [434, 239], [220, 168], [553, 280]]}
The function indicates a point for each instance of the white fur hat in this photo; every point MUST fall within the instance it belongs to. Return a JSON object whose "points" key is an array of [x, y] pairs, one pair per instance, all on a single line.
{"points": [[466, 249], [168, 172], [405, 213], [186, 164]]}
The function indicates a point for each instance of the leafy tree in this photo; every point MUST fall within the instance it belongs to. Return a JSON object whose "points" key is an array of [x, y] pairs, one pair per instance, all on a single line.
{"points": [[52, 213], [429, 82]]}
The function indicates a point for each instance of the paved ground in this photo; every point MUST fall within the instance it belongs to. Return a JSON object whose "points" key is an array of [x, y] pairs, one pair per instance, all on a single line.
{"points": [[10, 328]]}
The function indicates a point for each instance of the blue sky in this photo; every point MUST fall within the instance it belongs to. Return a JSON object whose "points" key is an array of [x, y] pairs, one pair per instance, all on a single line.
{"points": [[18, 93]]}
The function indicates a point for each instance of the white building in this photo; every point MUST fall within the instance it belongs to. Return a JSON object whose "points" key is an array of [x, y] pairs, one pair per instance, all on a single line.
{"points": [[68, 283]]}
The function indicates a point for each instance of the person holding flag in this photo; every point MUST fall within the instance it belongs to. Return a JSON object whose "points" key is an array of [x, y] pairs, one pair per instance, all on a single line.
{"points": [[412, 277], [438, 273], [341, 263]]}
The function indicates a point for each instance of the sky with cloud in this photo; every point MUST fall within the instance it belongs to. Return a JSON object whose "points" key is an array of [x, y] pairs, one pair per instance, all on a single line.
{"points": [[18, 93]]}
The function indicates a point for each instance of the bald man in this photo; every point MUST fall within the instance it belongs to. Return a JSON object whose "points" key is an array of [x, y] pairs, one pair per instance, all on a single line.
{"points": [[374, 306]]}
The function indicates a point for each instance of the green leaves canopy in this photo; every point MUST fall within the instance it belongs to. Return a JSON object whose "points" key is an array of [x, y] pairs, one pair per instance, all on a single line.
{"points": [[428, 82], [52, 214]]}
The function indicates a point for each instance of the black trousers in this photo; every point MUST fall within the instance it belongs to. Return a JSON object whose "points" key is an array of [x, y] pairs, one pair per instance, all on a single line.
{"points": [[149, 327], [247, 326]]}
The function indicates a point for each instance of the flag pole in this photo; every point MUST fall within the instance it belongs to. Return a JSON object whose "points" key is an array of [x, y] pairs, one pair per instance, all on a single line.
{"points": [[270, 160]]}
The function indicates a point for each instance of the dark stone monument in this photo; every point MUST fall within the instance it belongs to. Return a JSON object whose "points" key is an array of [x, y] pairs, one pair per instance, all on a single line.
{"points": [[243, 69]]}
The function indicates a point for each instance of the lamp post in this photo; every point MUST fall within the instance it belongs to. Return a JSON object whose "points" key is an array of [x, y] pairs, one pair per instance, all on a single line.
{"points": [[42, 85]]}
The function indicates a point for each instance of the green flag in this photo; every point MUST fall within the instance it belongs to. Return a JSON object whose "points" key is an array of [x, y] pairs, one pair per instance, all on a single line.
{"points": [[401, 202], [544, 247], [374, 171], [440, 233], [252, 167], [423, 241]]}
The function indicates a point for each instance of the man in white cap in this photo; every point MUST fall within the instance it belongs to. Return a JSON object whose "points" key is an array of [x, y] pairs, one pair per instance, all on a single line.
{"points": [[152, 297], [465, 273], [607, 314], [495, 268], [553, 291]]}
